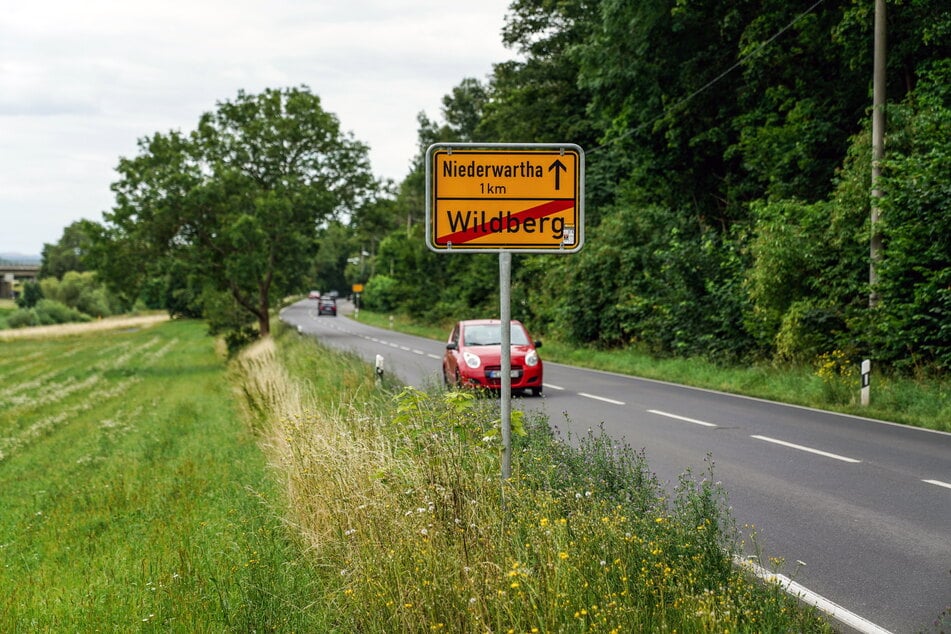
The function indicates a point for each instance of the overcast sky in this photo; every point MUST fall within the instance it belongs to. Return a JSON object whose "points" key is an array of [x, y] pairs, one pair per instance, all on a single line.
{"points": [[82, 80]]}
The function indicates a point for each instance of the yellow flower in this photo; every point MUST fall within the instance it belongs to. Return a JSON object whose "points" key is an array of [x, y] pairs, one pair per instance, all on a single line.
{"points": [[563, 555]]}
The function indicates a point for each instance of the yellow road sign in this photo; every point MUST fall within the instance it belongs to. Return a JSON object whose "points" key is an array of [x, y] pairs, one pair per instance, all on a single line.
{"points": [[492, 197]]}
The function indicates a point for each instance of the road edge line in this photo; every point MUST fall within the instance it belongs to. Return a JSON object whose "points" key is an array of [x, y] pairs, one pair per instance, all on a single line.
{"points": [[804, 594]]}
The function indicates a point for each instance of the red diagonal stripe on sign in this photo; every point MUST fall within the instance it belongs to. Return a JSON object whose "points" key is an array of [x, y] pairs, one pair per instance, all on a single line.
{"points": [[480, 231]]}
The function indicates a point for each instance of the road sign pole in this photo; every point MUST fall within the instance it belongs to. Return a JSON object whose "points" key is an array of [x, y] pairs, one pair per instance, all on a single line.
{"points": [[505, 305]]}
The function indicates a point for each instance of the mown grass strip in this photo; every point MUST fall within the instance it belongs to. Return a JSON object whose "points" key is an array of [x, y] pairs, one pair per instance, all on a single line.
{"points": [[132, 494]]}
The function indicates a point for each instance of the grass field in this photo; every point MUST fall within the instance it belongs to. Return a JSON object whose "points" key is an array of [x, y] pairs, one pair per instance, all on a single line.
{"points": [[147, 483], [7, 306], [133, 496]]}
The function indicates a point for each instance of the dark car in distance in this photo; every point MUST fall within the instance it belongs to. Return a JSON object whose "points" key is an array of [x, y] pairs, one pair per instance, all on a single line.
{"points": [[473, 356], [327, 306]]}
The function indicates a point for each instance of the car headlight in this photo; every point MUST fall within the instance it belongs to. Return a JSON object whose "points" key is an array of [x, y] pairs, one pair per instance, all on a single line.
{"points": [[472, 360], [531, 359]]}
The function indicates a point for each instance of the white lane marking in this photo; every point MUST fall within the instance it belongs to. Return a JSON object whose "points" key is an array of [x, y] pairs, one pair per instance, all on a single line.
{"points": [[419, 352], [601, 398], [938, 483], [836, 611], [404, 348], [683, 418], [553, 387], [433, 356], [393, 345], [818, 452]]}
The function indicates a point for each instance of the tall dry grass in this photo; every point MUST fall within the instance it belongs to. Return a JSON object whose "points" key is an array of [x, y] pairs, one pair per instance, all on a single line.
{"points": [[398, 496], [324, 445], [68, 330]]}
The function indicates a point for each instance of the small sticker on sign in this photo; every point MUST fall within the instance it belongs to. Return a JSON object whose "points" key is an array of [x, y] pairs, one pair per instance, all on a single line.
{"points": [[569, 235]]}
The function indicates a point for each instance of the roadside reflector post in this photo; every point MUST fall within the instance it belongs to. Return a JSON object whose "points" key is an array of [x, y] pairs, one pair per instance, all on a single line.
{"points": [[379, 369], [866, 381]]}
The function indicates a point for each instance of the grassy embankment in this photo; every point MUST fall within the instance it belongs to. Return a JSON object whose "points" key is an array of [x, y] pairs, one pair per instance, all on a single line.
{"points": [[132, 495], [7, 306], [141, 491], [832, 384]]}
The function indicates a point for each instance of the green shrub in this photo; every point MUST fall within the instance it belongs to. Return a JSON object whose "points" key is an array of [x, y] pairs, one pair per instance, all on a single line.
{"points": [[52, 312], [238, 338], [23, 318], [381, 293], [47, 312]]}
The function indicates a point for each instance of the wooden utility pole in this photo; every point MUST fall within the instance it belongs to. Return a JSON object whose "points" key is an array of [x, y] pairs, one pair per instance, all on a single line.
{"points": [[878, 148]]}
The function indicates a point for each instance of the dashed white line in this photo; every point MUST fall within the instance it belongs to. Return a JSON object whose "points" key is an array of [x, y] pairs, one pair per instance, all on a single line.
{"points": [[553, 387], [601, 398], [683, 418], [939, 483], [818, 452], [419, 352], [433, 356]]}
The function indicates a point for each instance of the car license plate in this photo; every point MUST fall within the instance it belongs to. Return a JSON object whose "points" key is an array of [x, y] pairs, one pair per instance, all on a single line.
{"points": [[495, 374]]}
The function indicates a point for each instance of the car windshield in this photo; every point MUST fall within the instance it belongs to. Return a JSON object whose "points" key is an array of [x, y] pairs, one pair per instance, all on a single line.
{"points": [[491, 335]]}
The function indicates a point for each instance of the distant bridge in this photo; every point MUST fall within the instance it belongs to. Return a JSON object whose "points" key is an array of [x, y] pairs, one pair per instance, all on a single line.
{"points": [[15, 274]]}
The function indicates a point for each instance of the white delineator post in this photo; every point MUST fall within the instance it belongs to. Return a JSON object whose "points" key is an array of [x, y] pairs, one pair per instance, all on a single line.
{"points": [[866, 381]]}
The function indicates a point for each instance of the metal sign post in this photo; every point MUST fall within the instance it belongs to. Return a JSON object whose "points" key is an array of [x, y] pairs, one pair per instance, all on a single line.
{"points": [[505, 306]]}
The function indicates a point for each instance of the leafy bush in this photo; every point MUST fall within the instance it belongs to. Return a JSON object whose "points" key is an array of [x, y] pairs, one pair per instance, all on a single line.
{"points": [[82, 291], [46, 313], [381, 293], [914, 325], [238, 338]]}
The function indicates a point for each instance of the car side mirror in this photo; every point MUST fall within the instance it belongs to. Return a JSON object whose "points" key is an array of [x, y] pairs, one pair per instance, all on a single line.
{"points": [[538, 344], [452, 345]]}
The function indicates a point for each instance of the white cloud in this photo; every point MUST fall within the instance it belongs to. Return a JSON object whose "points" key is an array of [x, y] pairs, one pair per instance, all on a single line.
{"points": [[80, 82]]}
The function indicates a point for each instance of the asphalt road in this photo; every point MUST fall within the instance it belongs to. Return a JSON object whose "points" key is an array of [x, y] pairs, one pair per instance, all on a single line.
{"points": [[860, 510]]}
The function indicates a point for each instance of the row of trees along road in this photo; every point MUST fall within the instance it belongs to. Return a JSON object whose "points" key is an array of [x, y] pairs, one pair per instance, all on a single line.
{"points": [[727, 199]]}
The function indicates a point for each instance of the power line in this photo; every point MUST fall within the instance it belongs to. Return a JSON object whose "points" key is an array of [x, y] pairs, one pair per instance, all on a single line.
{"points": [[711, 82]]}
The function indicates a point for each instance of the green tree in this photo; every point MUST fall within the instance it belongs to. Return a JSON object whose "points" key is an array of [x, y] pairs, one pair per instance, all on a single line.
{"points": [[238, 201], [913, 322], [32, 293], [80, 290], [70, 253]]}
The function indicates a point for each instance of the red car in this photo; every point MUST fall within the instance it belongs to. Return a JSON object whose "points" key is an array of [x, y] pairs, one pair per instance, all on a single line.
{"points": [[474, 356]]}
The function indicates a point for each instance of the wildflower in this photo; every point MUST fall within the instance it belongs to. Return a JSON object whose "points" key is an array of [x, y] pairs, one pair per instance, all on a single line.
{"points": [[563, 555]]}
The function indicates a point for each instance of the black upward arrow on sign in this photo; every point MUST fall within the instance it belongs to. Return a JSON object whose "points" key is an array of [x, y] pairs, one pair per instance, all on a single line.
{"points": [[558, 166]]}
